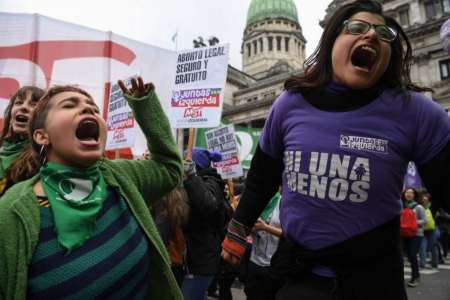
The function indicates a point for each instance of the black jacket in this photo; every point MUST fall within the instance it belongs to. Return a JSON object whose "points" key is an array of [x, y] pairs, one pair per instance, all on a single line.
{"points": [[209, 216], [356, 265]]}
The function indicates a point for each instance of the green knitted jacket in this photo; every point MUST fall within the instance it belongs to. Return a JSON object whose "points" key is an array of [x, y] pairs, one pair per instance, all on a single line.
{"points": [[136, 181]]}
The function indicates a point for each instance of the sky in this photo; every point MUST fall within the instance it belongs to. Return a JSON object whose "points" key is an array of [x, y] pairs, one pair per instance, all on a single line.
{"points": [[156, 21]]}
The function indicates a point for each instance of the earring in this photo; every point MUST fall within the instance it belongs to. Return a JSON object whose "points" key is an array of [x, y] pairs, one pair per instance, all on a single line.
{"points": [[42, 155]]}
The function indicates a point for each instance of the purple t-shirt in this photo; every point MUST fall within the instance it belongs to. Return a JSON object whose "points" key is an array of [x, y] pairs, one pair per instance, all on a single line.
{"points": [[343, 171]]}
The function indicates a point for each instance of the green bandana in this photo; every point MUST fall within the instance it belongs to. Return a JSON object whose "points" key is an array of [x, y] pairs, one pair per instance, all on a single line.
{"points": [[270, 207], [76, 196], [411, 204], [10, 150]]}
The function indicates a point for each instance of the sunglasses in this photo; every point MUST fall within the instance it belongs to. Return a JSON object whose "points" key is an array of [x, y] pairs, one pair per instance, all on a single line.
{"points": [[358, 27]]}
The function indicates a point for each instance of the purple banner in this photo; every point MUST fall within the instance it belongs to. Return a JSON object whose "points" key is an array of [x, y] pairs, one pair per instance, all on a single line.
{"points": [[412, 178]]}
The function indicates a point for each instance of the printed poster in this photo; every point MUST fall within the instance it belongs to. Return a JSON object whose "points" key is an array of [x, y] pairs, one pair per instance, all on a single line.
{"points": [[223, 140], [198, 92]]}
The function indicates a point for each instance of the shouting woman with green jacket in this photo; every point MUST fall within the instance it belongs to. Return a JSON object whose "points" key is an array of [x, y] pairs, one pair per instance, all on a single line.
{"points": [[80, 228]]}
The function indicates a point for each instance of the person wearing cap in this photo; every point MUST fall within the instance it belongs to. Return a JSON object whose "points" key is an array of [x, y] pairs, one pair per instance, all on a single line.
{"points": [[209, 215]]}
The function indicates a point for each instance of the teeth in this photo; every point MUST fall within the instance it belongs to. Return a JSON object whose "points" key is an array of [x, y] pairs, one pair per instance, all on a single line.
{"points": [[370, 49]]}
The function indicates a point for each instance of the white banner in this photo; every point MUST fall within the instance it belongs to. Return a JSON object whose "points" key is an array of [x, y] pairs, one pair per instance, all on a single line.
{"points": [[223, 140], [198, 92], [40, 51]]}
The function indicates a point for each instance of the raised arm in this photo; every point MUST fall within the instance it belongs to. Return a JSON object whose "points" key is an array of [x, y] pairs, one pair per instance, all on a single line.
{"points": [[160, 174]]}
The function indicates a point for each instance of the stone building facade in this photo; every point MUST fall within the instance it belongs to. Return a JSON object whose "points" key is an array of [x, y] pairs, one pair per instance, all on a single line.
{"points": [[273, 48]]}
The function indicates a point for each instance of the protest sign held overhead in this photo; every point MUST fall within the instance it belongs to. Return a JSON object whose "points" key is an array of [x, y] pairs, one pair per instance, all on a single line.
{"points": [[223, 140], [120, 120], [247, 140], [198, 90]]}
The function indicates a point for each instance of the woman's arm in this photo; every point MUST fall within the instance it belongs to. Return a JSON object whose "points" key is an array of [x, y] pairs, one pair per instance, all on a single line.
{"points": [[420, 216], [435, 175], [263, 180], [160, 174], [261, 225]]}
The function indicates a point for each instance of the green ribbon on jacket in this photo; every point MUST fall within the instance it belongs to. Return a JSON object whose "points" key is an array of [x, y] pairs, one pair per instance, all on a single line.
{"points": [[76, 196]]}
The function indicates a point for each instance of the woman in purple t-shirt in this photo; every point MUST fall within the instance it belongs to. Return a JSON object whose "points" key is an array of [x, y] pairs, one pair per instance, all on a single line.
{"points": [[339, 140]]}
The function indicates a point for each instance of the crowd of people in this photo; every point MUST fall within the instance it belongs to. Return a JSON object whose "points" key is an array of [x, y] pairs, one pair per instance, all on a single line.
{"points": [[322, 215], [429, 235]]}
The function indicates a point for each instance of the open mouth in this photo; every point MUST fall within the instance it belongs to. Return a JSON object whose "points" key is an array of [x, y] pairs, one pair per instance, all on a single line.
{"points": [[22, 119], [88, 130], [364, 57]]}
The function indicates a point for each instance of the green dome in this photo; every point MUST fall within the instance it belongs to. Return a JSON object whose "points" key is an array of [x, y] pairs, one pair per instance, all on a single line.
{"points": [[262, 9]]}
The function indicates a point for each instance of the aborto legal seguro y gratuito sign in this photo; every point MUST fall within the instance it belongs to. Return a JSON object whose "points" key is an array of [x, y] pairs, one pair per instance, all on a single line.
{"points": [[198, 90]]}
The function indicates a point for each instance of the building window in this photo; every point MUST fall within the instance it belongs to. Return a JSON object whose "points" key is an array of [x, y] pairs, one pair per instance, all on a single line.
{"points": [[430, 9], [279, 43], [255, 47], [404, 17], [261, 47], [269, 22], [249, 50], [270, 39], [444, 66], [446, 6], [286, 44], [278, 22]]}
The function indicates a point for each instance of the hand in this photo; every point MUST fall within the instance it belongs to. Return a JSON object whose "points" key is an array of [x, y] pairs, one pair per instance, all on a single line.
{"points": [[259, 225], [189, 167], [228, 257], [138, 88]]}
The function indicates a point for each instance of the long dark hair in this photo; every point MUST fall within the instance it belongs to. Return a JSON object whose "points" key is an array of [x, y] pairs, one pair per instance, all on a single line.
{"points": [[36, 94], [174, 206], [318, 66], [31, 159]]}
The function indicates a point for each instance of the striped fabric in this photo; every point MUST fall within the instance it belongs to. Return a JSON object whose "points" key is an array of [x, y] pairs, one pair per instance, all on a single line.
{"points": [[112, 264]]}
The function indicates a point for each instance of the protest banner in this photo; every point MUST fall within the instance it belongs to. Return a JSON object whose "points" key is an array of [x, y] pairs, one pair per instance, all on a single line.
{"points": [[40, 51], [223, 140], [198, 90]]}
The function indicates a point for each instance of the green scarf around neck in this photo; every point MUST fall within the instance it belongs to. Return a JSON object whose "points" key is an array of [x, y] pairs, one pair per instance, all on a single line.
{"points": [[270, 207], [76, 196], [411, 204], [10, 150]]}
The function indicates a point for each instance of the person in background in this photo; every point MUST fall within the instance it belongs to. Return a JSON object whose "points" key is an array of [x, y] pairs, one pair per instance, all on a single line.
{"points": [[337, 141], [220, 287], [171, 215], [412, 244], [14, 135], [443, 223], [261, 283], [80, 227], [429, 242], [209, 215]]}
